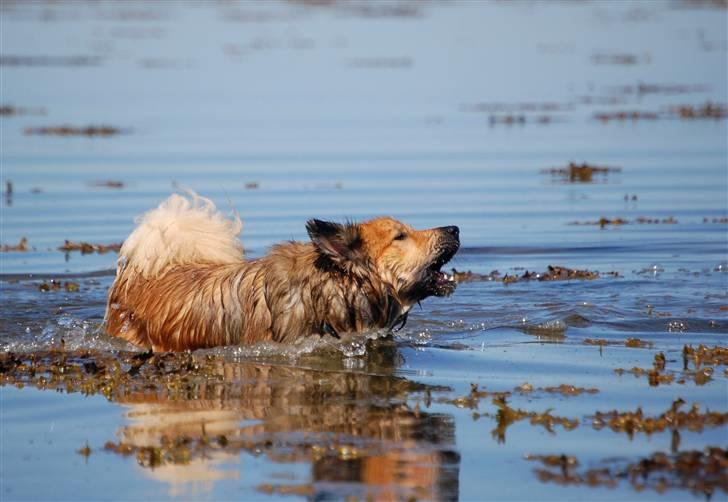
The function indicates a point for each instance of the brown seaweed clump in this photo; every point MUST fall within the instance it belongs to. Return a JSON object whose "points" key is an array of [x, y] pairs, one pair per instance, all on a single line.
{"points": [[637, 343], [707, 111], [580, 173], [507, 416], [468, 276], [557, 273], [631, 422], [604, 222], [702, 355], [54, 285], [472, 400], [563, 389], [66, 130], [553, 273], [654, 376], [622, 116], [88, 248], [20, 247], [701, 472], [107, 184]]}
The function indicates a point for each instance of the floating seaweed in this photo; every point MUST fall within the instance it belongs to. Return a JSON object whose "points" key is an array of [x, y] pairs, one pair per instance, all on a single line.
{"points": [[300, 490], [704, 355], [563, 389], [66, 130], [580, 173], [654, 376], [522, 119], [89, 248], [11, 111], [72, 61], [700, 375], [472, 400], [20, 247], [54, 285], [722, 219], [631, 422], [84, 451], [637, 343], [506, 416], [701, 472], [642, 220], [553, 273], [468, 276], [621, 116], [382, 62], [518, 107], [642, 89], [620, 59], [107, 184], [707, 111]]}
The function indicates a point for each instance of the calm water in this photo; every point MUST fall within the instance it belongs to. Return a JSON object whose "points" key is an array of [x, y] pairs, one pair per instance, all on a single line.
{"points": [[287, 111]]}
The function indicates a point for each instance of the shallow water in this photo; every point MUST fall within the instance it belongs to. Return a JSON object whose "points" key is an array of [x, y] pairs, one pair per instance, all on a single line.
{"points": [[351, 111]]}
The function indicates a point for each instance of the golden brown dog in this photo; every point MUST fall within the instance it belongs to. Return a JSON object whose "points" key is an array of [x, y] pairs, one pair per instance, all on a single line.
{"points": [[182, 281]]}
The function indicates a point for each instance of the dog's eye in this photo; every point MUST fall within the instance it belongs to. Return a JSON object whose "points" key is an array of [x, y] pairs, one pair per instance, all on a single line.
{"points": [[400, 236]]}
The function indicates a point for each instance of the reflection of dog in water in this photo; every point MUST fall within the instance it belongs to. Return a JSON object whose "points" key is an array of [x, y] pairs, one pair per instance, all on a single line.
{"points": [[350, 428], [182, 282]]}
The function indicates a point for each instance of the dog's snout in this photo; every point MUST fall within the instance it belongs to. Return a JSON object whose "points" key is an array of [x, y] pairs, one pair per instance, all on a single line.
{"points": [[452, 230]]}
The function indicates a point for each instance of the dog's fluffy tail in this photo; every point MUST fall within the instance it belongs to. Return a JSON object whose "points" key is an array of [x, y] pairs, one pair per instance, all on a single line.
{"points": [[183, 229]]}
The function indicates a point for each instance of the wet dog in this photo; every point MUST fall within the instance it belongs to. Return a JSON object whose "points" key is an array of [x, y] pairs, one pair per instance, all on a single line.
{"points": [[182, 281]]}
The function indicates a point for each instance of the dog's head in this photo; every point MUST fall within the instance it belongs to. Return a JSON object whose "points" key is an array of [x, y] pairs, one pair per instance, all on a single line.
{"points": [[406, 259]]}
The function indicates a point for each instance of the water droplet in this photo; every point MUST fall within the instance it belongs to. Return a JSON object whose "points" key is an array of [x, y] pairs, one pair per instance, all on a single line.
{"points": [[677, 326]]}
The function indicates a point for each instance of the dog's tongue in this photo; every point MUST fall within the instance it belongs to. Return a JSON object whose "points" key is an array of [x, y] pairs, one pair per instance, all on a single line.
{"points": [[443, 278]]}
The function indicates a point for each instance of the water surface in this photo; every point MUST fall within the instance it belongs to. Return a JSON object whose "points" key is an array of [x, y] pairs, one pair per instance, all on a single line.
{"points": [[287, 111]]}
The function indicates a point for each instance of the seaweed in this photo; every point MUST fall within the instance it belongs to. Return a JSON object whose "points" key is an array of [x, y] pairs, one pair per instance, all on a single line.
{"points": [[642, 220], [507, 416], [563, 389], [20, 247], [637, 343], [707, 111], [702, 354], [66, 130], [54, 285], [88, 248], [68, 61], [631, 422], [552, 273], [621, 116], [107, 184], [623, 59], [580, 173], [701, 472]]}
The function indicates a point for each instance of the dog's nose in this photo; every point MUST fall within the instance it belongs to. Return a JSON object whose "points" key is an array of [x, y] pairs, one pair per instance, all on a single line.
{"points": [[452, 230]]}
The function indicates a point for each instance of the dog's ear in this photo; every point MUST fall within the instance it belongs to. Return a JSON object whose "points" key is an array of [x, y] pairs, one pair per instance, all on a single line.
{"points": [[342, 244]]}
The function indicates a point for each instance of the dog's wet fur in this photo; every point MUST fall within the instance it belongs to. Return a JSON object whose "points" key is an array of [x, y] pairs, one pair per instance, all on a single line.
{"points": [[182, 281]]}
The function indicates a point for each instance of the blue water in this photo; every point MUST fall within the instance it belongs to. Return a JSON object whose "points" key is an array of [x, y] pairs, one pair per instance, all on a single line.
{"points": [[354, 110]]}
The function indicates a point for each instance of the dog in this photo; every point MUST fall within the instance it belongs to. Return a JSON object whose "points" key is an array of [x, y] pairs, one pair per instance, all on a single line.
{"points": [[182, 281]]}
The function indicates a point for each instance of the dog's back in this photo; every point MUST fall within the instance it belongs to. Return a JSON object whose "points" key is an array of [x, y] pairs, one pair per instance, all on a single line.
{"points": [[160, 270]]}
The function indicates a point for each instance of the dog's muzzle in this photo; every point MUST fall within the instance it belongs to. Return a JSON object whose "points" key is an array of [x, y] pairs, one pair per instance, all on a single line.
{"points": [[441, 283]]}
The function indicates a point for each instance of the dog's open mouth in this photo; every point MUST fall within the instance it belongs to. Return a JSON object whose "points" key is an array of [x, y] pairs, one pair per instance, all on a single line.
{"points": [[441, 283]]}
